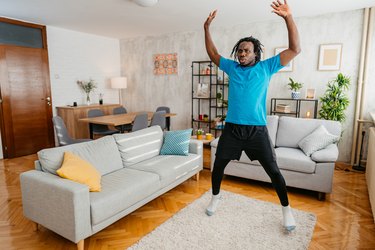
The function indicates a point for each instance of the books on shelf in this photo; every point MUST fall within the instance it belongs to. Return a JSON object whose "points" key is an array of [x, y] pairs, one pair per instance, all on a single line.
{"points": [[284, 108]]}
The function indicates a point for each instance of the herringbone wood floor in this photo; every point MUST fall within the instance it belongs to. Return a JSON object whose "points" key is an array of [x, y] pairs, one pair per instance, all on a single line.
{"points": [[344, 218]]}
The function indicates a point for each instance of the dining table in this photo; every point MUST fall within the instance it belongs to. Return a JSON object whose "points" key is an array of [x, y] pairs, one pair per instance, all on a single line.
{"points": [[117, 120]]}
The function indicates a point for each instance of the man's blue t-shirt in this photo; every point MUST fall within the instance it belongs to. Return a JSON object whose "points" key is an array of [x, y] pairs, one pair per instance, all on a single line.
{"points": [[248, 90]]}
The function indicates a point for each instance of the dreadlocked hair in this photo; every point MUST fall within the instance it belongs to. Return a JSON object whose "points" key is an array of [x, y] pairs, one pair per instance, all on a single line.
{"points": [[257, 47]]}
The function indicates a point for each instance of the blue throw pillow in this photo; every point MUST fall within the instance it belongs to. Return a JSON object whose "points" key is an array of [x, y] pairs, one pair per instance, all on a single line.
{"points": [[176, 142]]}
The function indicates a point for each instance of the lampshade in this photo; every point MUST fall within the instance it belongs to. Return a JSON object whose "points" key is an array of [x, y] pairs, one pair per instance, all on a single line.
{"points": [[146, 3], [119, 82]]}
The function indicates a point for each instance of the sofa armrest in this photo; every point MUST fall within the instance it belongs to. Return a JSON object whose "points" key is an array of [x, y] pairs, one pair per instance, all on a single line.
{"points": [[215, 142], [196, 147], [328, 154], [58, 204]]}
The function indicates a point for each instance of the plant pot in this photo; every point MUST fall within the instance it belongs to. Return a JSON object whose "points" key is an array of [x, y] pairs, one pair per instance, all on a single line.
{"points": [[199, 137], [295, 95]]}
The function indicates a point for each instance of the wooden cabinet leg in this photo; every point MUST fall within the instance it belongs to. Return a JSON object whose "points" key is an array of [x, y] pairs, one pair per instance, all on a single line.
{"points": [[81, 245]]}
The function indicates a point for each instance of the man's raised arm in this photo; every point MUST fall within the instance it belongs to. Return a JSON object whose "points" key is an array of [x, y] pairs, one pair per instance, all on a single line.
{"points": [[210, 46], [283, 10]]}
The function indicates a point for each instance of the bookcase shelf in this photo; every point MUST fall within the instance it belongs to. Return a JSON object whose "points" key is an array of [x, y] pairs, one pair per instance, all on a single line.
{"points": [[296, 112]]}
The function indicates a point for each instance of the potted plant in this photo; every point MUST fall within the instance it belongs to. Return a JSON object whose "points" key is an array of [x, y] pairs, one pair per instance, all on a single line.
{"points": [[335, 101], [295, 87], [219, 99], [87, 87], [199, 133]]}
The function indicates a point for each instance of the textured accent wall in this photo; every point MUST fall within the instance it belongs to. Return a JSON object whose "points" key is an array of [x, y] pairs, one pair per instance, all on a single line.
{"points": [[146, 91]]}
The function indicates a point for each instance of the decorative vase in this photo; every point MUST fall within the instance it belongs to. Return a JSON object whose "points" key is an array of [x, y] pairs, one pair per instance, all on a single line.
{"points": [[295, 95], [88, 101]]}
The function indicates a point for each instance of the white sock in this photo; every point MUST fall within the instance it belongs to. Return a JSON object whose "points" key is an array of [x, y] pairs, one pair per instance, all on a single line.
{"points": [[288, 220], [215, 200]]}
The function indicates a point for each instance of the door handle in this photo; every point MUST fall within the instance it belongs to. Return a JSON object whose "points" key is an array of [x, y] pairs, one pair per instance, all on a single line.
{"points": [[48, 99]]}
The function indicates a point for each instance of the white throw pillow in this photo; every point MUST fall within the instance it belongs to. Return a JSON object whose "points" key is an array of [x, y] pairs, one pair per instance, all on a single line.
{"points": [[317, 140]]}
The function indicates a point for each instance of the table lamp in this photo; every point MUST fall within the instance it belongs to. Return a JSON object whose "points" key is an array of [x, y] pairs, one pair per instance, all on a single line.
{"points": [[119, 83]]}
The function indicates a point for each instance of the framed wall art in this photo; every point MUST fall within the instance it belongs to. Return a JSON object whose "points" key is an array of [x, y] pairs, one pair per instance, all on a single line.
{"points": [[165, 64], [289, 66], [330, 56]]}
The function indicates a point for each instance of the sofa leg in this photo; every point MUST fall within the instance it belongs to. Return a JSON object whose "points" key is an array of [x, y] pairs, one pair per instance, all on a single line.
{"points": [[35, 226], [80, 245], [321, 196], [196, 177]]}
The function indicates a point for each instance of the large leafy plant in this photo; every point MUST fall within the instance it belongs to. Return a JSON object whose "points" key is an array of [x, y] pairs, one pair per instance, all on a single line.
{"points": [[335, 101]]}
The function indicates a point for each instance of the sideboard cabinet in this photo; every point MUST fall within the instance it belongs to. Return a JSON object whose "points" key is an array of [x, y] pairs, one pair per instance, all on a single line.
{"points": [[71, 115]]}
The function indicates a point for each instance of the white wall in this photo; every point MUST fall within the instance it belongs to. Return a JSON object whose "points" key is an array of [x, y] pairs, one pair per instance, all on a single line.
{"points": [[79, 56], [146, 91]]}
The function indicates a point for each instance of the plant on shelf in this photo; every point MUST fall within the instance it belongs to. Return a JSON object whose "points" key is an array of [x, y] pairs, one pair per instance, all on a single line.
{"points": [[295, 87], [87, 87], [199, 132], [335, 101], [219, 99]]}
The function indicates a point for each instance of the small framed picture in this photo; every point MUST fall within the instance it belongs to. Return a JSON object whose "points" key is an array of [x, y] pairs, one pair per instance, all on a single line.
{"points": [[289, 66], [330, 56], [310, 93]]}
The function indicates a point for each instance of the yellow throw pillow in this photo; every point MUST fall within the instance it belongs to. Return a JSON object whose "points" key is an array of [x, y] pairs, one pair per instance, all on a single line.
{"points": [[76, 169]]}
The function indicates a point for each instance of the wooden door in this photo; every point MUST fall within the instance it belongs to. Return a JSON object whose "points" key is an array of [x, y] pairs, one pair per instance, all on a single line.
{"points": [[26, 109]]}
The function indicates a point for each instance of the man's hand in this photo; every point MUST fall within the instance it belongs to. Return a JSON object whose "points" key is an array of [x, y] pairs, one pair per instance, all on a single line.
{"points": [[281, 9], [209, 19], [210, 46]]}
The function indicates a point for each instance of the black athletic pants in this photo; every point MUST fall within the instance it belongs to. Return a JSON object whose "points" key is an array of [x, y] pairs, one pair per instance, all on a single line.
{"points": [[255, 141]]}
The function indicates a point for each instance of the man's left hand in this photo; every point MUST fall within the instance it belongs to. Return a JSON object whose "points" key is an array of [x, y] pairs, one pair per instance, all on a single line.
{"points": [[281, 9]]}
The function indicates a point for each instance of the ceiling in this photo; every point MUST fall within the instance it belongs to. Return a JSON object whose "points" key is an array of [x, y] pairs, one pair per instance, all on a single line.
{"points": [[125, 19]]}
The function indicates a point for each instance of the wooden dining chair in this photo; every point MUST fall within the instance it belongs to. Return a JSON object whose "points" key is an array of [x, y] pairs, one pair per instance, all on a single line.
{"points": [[99, 129], [140, 122], [167, 119], [159, 119], [62, 134]]}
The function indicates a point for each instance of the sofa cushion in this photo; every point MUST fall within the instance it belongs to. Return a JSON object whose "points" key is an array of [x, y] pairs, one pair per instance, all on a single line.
{"points": [[169, 168], [97, 152], [317, 140], [81, 171], [328, 154], [288, 159], [176, 142], [291, 130], [120, 190], [139, 145], [295, 160], [272, 124]]}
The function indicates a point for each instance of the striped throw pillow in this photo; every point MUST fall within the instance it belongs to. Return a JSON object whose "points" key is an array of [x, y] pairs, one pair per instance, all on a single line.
{"points": [[176, 142]]}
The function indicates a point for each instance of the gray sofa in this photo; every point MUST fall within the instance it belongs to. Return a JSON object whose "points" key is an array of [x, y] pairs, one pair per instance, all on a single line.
{"points": [[299, 170], [133, 173]]}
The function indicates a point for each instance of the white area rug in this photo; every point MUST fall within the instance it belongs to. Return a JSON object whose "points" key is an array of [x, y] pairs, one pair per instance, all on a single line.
{"points": [[239, 223]]}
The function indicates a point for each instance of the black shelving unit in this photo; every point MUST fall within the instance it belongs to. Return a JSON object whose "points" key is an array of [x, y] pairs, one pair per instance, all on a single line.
{"points": [[297, 110], [206, 72]]}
